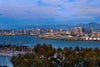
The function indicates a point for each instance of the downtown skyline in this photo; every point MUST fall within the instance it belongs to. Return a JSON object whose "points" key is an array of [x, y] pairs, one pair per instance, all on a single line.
{"points": [[34, 12]]}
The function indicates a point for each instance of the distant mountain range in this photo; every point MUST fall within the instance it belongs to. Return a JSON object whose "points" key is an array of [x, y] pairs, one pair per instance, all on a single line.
{"points": [[45, 26], [93, 25]]}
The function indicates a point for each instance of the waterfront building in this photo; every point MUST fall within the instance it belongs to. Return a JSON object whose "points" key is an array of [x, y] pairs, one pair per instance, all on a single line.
{"points": [[98, 34], [93, 35], [49, 35]]}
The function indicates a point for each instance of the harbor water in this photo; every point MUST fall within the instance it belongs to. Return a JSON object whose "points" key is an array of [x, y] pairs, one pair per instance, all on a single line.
{"points": [[29, 40]]}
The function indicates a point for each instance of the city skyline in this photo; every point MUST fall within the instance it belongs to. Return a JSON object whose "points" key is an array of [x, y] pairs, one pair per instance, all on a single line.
{"points": [[34, 12]]}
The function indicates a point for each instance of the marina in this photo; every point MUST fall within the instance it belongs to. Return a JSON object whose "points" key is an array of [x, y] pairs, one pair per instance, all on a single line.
{"points": [[12, 53], [31, 41]]}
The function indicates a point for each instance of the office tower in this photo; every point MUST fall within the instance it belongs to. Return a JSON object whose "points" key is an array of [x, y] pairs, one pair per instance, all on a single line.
{"points": [[26, 30], [91, 30], [75, 30], [83, 30], [60, 30], [80, 30], [12, 33], [32, 29], [49, 29], [71, 29], [68, 32], [37, 30]]}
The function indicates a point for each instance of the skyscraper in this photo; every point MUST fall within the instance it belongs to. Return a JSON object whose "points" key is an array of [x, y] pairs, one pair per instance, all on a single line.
{"points": [[49, 29], [75, 30], [38, 30], [71, 30], [91, 30], [80, 30], [12, 32], [60, 30], [24, 31], [32, 29]]}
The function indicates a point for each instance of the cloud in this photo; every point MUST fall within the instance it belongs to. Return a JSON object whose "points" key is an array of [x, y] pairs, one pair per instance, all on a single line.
{"points": [[59, 10]]}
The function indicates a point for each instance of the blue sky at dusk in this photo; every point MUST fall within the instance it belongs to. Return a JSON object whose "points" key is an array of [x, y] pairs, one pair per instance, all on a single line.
{"points": [[26, 12]]}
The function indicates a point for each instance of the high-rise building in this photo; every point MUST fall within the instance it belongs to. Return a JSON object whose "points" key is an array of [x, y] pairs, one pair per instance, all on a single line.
{"points": [[80, 30], [56, 31], [24, 31], [83, 30], [51, 31], [38, 30], [12, 32], [32, 29], [91, 30], [75, 30], [71, 29], [60, 30], [68, 32]]}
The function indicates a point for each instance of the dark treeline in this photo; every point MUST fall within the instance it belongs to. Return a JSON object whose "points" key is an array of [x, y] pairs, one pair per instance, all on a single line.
{"points": [[17, 47], [46, 56]]}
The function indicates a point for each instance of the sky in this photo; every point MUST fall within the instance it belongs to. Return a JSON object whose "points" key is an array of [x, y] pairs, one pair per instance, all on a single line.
{"points": [[38, 12]]}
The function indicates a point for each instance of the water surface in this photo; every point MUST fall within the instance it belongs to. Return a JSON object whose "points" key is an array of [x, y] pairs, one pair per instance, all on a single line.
{"points": [[30, 41]]}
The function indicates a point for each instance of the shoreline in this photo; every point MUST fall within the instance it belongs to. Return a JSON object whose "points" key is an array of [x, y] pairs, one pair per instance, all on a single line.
{"points": [[15, 53], [65, 38]]}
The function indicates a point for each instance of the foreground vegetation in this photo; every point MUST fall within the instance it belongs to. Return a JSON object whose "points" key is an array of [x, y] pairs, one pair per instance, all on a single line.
{"points": [[47, 56], [17, 47]]}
